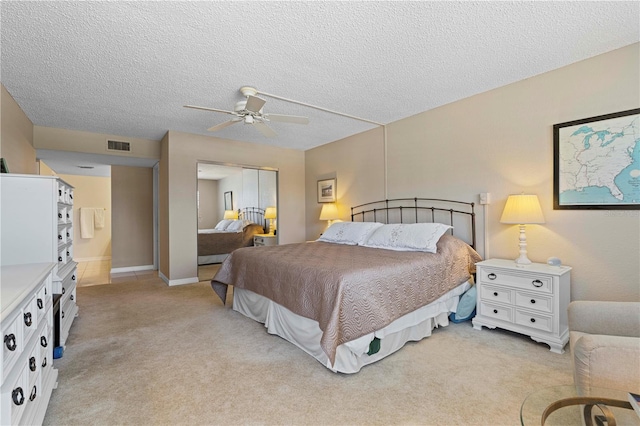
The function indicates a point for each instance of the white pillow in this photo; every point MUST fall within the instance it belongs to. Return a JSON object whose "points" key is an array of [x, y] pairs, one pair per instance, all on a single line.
{"points": [[235, 226], [223, 224], [408, 236], [350, 233]]}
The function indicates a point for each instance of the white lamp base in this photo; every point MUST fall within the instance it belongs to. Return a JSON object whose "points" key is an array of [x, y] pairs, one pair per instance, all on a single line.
{"points": [[523, 260]]}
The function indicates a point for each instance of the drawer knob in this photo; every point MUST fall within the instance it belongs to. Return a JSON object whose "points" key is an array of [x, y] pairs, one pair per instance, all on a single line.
{"points": [[59, 258], [62, 314], [18, 396], [43, 341], [495, 293], [44, 362], [27, 319], [73, 277], [40, 304], [59, 237], [536, 283], [533, 320], [533, 301], [492, 276], [10, 342], [71, 297], [32, 363], [63, 290], [495, 311], [33, 393], [59, 215]]}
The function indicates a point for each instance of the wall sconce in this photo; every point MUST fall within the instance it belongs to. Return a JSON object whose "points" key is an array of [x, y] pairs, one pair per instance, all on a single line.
{"points": [[230, 214], [521, 210], [271, 213], [329, 213]]}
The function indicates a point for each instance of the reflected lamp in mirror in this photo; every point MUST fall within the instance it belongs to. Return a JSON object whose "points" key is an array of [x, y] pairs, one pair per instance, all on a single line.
{"points": [[522, 209], [230, 214], [329, 213], [271, 214]]}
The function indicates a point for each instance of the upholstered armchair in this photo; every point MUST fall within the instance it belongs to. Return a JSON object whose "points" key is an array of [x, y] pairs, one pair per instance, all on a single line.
{"points": [[605, 345]]}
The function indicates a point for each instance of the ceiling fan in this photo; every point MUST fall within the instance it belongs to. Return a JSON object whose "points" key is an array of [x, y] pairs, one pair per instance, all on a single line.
{"points": [[250, 112]]}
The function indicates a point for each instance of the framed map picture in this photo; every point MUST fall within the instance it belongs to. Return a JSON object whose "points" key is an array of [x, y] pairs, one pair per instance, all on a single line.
{"points": [[596, 163]]}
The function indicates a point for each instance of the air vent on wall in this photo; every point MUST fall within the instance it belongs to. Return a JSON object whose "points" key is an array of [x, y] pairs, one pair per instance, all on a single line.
{"points": [[118, 146]]}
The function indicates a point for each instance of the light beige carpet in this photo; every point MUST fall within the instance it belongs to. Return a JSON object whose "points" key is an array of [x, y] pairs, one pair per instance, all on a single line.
{"points": [[143, 353]]}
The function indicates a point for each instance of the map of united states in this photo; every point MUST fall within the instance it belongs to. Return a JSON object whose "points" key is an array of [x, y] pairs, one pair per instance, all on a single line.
{"points": [[600, 162]]}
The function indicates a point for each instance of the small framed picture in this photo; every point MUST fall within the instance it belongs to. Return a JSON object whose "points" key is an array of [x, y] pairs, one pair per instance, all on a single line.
{"points": [[228, 200], [327, 191]]}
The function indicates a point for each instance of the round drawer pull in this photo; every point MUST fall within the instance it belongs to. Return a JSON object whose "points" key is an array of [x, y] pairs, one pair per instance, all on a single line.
{"points": [[18, 396], [10, 342], [533, 320], [27, 319], [495, 311], [492, 276], [44, 362], [73, 277], [32, 363], [59, 237], [71, 297], [40, 304], [62, 314], [43, 341], [59, 258], [495, 293], [533, 301], [59, 215], [63, 290], [536, 283], [33, 393]]}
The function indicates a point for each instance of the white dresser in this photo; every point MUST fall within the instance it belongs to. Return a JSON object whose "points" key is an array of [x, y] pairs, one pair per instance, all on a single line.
{"points": [[530, 300], [37, 226], [26, 320]]}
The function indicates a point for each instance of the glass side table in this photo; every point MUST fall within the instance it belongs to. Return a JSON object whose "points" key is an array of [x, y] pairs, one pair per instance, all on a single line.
{"points": [[563, 405]]}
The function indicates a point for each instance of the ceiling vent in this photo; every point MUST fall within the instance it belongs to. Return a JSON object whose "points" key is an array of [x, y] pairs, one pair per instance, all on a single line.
{"points": [[118, 146]]}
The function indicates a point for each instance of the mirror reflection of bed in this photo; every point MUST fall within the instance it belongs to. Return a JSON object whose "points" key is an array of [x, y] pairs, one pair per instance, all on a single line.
{"points": [[231, 205]]}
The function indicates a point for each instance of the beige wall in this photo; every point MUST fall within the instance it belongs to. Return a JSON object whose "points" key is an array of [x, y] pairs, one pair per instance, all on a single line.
{"points": [[179, 166], [91, 191], [44, 170], [16, 136], [501, 142], [132, 221], [208, 214]]}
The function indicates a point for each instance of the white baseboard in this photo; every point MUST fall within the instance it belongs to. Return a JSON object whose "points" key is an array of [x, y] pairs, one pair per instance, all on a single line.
{"points": [[132, 269], [178, 282], [91, 259]]}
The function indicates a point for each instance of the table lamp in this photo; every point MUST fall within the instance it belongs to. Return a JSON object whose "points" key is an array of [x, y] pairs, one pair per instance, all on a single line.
{"points": [[230, 214], [521, 210], [329, 213], [270, 213]]}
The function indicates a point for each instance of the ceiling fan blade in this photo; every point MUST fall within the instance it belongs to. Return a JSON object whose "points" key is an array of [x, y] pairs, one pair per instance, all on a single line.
{"points": [[264, 129], [297, 119], [210, 109], [223, 125], [254, 103]]}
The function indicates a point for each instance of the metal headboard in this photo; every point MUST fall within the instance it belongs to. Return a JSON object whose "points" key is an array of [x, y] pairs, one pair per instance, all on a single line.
{"points": [[421, 210], [254, 214]]}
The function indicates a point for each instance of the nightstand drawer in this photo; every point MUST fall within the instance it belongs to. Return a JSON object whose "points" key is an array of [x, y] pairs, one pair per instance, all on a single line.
{"points": [[496, 312], [534, 301], [537, 321], [523, 280], [264, 240], [496, 294]]}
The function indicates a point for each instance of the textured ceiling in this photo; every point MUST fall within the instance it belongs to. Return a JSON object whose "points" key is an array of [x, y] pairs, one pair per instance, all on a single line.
{"points": [[127, 68]]}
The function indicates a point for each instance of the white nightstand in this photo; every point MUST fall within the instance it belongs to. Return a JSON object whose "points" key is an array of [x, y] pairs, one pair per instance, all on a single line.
{"points": [[530, 300], [264, 240]]}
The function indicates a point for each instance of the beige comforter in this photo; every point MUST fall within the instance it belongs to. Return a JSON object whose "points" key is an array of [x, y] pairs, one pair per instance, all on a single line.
{"points": [[349, 290]]}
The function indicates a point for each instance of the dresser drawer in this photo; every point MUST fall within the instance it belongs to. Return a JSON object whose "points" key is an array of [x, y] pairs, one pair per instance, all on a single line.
{"points": [[499, 312], [496, 294], [534, 301], [534, 320], [12, 345], [525, 281], [15, 394]]}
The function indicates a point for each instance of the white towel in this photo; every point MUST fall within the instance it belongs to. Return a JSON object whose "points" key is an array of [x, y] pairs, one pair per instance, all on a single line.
{"points": [[87, 215], [99, 218]]}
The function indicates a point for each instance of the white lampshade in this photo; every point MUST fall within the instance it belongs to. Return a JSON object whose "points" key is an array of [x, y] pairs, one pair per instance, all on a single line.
{"points": [[522, 209], [270, 213], [230, 214], [329, 212]]}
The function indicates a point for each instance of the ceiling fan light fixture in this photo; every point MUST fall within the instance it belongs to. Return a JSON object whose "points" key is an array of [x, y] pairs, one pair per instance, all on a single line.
{"points": [[248, 119]]}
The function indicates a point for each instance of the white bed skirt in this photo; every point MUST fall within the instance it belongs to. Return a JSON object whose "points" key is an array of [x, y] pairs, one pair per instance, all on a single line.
{"points": [[351, 356], [213, 258]]}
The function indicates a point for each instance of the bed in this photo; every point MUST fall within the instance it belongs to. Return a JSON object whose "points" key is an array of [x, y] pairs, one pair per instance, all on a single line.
{"points": [[356, 295], [215, 244]]}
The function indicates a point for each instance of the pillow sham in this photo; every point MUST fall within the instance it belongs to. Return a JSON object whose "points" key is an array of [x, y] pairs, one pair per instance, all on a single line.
{"points": [[237, 225], [408, 236], [350, 233], [223, 224]]}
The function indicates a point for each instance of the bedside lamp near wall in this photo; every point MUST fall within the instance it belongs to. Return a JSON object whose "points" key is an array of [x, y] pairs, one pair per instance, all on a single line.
{"points": [[521, 210], [329, 213], [230, 214], [271, 213]]}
